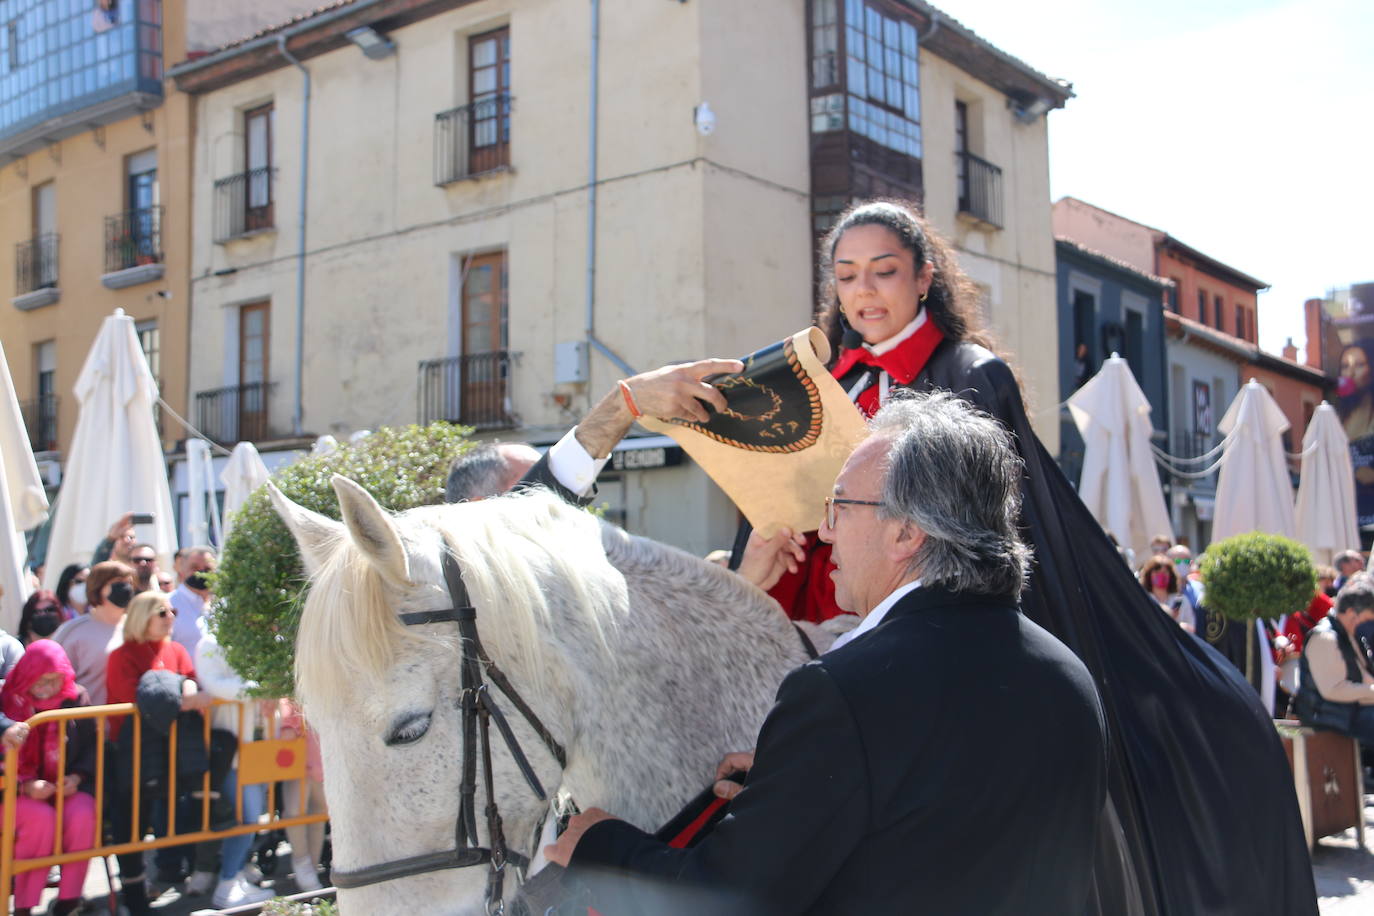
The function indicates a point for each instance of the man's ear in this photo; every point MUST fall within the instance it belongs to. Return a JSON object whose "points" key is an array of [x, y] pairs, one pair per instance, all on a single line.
{"points": [[906, 541]]}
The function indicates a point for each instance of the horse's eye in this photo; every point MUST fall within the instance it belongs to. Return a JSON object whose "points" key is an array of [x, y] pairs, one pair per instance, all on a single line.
{"points": [[409, 730]]}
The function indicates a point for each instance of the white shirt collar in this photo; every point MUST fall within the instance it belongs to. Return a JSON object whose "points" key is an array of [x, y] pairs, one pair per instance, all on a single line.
{"points": [[878, 349], [875, 616]]}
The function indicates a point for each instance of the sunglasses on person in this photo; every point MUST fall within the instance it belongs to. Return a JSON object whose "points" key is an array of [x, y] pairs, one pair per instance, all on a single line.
{"points": [[167, 612], [144, 559]]}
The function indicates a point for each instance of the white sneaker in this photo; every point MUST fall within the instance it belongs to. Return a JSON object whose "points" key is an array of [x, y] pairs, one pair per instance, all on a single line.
{"points": [[200, 883], [307, 879], [237, 892], [252, 874]]}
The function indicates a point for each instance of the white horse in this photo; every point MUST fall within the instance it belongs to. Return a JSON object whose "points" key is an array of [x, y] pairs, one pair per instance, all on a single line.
{"points": [[645, 663]]}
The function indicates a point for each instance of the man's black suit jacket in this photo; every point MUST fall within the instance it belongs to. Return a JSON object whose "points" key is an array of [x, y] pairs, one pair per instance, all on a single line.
{"points": [[952, 760]]}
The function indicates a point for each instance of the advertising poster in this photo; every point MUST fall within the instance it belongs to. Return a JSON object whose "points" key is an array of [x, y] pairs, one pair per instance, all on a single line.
{"points": [[1348, 356]]}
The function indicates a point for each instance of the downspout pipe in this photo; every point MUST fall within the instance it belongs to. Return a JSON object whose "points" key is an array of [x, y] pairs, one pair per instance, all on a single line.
{"points": [[297, 426], [595, 93]]}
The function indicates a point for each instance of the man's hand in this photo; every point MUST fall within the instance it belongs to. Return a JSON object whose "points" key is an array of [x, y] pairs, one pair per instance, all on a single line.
{"points": [[69, 784], [738, 762], [121, 525], [561, 853], [670, 393], [766, 559], [14, 735]]}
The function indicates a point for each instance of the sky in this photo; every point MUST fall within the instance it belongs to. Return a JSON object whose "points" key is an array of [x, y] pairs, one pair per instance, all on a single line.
{"points": [[1244, 128]]}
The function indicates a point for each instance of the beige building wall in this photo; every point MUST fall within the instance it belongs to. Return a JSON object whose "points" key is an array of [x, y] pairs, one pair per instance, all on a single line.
{"points": [[1014, 265], [703, 243], [1106, 232]]}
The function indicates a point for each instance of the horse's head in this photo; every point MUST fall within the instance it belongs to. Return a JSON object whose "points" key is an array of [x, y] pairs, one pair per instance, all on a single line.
{"points": [[384, 697]]}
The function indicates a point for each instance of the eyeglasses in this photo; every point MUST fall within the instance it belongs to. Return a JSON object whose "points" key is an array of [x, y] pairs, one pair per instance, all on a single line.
{"points": [[144, 559], [167, 611], [832, 501]]}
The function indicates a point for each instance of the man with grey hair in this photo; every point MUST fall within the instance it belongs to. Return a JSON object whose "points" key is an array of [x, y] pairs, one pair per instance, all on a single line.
{"points": [[1347, 563], [883, 763], [488, 469], [1336, 689]]}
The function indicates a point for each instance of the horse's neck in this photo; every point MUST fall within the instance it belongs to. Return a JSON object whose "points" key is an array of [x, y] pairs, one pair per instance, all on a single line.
{"points": [[691, 671]]}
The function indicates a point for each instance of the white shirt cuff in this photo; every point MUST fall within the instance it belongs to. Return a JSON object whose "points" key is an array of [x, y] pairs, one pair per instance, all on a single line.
{"points": [[572, 466]]}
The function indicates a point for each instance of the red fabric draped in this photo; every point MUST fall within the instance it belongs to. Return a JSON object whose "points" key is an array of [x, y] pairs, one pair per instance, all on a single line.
{"points": [[38, 756]]}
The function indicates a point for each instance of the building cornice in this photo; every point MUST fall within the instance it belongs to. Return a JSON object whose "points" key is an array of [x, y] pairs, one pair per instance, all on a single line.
{"points": [[1077, 248], [306, 36], [964, 48], [1190, 331]]}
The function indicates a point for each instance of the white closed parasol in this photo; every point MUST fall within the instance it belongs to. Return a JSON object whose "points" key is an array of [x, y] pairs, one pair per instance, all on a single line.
{"points": [[116, 462], [23, 502], [1119, 483], [1325, 514], [244, 473]]}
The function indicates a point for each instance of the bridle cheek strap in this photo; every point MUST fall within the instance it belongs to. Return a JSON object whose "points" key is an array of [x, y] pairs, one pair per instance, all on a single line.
{"points": [[479, 710]]}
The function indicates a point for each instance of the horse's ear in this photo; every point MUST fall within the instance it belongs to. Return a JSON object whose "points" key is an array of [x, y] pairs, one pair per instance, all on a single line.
{"points": [[314, 533], [373, 531]]}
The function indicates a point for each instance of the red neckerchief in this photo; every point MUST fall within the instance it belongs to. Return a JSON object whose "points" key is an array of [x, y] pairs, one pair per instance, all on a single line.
{"points": [[903, 362]]}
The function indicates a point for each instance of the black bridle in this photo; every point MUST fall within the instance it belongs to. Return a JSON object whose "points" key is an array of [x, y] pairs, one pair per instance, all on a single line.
{"points": [[479, 711]]}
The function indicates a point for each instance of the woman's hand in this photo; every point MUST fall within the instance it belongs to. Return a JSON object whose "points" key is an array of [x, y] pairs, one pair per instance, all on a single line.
{"points": [[39, 789], [766, 559], [70, 783], [14, 735], [190, 701]]}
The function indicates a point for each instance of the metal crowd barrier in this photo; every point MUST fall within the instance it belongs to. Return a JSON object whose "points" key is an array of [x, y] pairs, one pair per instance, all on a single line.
{"points": [[270, 759]]}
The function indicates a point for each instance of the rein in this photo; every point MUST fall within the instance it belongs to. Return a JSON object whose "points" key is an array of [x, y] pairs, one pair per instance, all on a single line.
{"points": [[479, 712]]}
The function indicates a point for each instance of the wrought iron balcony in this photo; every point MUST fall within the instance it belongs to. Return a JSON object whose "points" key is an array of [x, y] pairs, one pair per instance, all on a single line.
{"points": [[243, 203], [980, 189], [40, 419], [35, 264], [237, 413], [133, 238], [472, 139], [473, 390]]}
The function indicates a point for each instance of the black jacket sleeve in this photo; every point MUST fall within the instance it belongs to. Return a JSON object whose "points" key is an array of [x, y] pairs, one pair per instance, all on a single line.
{"points": [[804, 809], [540, 476]]}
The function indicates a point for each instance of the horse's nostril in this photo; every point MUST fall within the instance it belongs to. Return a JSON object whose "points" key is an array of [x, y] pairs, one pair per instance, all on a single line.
{"points": [[408, 730]]}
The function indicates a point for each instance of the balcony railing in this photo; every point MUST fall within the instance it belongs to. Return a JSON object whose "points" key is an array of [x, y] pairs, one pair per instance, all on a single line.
{"points": [[473, 390], [234, 414], [133, 238], [243, 203], [40, 419], [980, 189], [472, 139], [35, 264]]}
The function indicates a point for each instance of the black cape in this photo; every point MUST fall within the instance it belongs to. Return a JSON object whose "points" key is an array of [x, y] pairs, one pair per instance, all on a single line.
{"points": [[1201, 815]]}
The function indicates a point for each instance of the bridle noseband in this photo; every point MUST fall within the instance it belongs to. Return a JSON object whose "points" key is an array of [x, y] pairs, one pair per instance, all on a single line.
{"points": [[479, 711]]}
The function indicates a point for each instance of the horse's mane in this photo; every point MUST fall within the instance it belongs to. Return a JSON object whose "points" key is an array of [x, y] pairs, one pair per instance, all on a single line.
{"points": [[519, 554]]}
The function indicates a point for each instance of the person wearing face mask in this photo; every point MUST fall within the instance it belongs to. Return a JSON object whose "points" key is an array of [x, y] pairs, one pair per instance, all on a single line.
{"points": [[89, 639], [71, 590], [41, 617], [1336, 690], [1161, 581], [192, 597]]}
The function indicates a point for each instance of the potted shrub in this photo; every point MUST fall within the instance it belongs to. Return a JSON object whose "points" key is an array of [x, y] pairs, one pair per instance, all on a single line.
{"points": [[259, 584], [1257, 577]]}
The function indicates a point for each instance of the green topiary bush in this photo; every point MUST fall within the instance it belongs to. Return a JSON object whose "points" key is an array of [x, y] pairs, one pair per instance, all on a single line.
{"points": [[260, 582], [1258, 575]]}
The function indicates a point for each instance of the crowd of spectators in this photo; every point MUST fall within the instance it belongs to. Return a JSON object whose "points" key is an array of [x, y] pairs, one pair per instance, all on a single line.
{"points": [[123, 630]]}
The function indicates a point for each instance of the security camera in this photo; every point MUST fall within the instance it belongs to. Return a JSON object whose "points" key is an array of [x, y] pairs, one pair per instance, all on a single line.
{"points": [[705, 119]]}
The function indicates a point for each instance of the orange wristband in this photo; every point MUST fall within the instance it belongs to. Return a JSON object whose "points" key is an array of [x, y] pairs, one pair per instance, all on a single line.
{"points": [[629, 399]]}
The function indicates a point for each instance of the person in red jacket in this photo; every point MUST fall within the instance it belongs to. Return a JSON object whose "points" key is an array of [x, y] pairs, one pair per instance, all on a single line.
{"points": [[147, 647]]}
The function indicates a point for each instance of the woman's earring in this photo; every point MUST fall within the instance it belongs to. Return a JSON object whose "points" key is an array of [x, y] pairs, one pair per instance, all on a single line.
{"points": [[923, 297]]}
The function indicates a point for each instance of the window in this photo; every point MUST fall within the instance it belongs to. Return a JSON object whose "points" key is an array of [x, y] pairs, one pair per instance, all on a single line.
{"points": [[1217, 313], [1135, 343], [257, 184], [37, 258], [1171, 297], [150, 341], [1202, 306], [489, 93], [135, 236], [484, 304], [825, 30], [43, 414], [254, 330], [1084, 321], [1240, 322], [882, 73]]}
